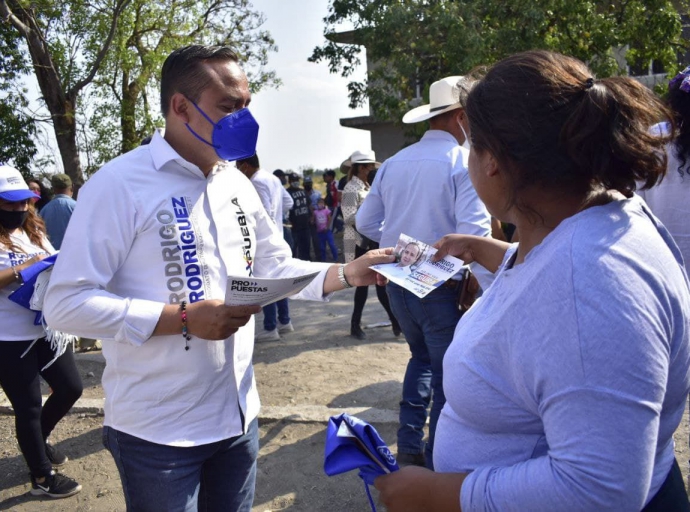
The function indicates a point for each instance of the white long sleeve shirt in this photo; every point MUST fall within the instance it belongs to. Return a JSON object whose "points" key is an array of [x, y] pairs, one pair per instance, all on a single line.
{"points": [[150, 229], [17, 321], [272, 195], [425, 192]]}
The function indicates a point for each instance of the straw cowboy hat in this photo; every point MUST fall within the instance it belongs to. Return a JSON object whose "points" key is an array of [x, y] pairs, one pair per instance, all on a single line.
{"points": [[359, 157], [443, 97]]}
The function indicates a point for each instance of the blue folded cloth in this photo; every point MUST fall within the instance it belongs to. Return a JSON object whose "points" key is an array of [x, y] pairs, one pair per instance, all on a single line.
{"points": [[354, 444], [22, 295]]}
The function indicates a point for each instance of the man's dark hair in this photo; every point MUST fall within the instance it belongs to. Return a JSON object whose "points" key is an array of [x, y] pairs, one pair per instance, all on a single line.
{"points": [[252, 161], [183, 71], [329, 173]]}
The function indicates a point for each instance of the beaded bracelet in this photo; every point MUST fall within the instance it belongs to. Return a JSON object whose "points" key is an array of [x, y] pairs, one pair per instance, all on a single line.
{"points": [[185, 331]]}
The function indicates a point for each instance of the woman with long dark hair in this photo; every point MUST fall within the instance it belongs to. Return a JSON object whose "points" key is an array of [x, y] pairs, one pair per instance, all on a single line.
{"points": [[567, 379], [44, 194], [25, 354]]}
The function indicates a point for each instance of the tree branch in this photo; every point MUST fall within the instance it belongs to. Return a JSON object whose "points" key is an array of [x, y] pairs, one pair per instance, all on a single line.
{"points": [[119, 7]]}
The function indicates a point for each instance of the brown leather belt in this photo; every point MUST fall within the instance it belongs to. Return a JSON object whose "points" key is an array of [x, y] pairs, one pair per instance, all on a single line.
{"points": [[453, 284]]}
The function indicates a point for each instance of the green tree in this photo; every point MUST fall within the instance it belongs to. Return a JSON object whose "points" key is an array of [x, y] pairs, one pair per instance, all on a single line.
{"points": [[411, 43], [126, 96], [17, 146], [66, 43]]}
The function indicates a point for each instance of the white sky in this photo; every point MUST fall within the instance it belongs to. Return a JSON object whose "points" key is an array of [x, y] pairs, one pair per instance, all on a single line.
{"points": [[300, 121]]}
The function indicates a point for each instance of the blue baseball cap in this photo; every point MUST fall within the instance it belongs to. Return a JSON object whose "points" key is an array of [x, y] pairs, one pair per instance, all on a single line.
{"points": [[13, 188]]}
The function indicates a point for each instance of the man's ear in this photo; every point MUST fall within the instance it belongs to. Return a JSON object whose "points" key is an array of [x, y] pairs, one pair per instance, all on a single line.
{"points": [[179, 107]]}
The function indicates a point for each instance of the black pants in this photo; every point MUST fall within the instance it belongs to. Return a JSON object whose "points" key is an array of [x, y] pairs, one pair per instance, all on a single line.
{"points": [[671, 497], [19, 378], [302, 239], [361, 294]]}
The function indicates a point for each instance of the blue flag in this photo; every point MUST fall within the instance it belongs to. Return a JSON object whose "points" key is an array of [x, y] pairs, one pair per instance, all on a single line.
{"points": [[354, 444]]}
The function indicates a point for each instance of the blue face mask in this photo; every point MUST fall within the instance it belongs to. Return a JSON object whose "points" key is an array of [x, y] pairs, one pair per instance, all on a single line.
{"points": [[234, 136]]}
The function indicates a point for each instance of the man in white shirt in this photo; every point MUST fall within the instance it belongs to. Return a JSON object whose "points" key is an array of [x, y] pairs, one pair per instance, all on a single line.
{"points": [[276, 201], [151, 243], [424, 191]]}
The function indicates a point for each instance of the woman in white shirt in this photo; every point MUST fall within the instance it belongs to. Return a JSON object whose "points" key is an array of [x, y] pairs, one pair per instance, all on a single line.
{"points": [[670, 199], [25, 354]]}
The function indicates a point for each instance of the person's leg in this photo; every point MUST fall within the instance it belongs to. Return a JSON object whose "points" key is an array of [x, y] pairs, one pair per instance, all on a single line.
{"points": [[416, 392], [287, 235], [322, 244], [228, 479], [63, 378], [155, 477], [361, 293], [303, 241], [270, 317], [383, 299], [318, 254], [19, 378], [438, 322], [331, 244], [283, 311]]}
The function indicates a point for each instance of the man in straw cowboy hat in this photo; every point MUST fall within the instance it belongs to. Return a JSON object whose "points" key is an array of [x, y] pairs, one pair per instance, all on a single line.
{"points": [[425, 192]]}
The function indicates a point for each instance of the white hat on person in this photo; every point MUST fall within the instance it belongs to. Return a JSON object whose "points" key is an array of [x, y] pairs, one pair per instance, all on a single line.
{"points": [[443, 97], [13, 188], [361, 157]]}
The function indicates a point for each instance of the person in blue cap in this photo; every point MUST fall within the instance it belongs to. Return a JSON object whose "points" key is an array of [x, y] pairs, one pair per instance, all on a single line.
{"points": [[25, 354]]}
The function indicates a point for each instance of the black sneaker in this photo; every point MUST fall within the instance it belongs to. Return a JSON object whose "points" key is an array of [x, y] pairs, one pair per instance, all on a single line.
{"points": [[56, 457], [55, 486]]}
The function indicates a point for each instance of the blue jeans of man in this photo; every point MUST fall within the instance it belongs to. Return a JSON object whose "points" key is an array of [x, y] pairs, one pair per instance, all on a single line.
{"points": [[219, 476], [281, 307], [428, 325]]}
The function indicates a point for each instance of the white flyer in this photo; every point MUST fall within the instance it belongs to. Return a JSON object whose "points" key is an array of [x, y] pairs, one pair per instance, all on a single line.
{"points": [[414, 269], [245, 291]]}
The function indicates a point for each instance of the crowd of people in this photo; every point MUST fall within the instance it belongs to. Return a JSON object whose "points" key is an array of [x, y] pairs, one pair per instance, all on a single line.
{"points": [[559, 389]]}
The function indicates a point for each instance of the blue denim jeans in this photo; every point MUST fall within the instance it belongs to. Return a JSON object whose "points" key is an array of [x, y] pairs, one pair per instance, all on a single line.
{"points": [[281, 307], [428, 325], [326, 237], [220, 476]]}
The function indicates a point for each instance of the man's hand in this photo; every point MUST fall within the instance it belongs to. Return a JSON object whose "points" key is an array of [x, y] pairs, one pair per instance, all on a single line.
{"points": [[358, 273], [206, 319], [214, 320]]}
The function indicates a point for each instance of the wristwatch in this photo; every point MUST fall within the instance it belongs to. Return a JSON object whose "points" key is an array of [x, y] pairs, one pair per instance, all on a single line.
{"points": [[342, 278]]}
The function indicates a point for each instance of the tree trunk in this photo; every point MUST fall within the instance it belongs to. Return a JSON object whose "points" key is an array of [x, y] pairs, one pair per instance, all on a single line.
{"points": [[66, 135], [128, 122]]}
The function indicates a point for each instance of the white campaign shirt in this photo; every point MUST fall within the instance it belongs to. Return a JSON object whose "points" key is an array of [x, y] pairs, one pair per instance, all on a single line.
{"points": [[272, 195], [670, 199], [150, 229], [17, 321]]}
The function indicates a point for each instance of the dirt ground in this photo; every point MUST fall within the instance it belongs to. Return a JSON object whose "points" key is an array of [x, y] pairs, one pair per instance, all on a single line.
{"points": [[317, 365]]}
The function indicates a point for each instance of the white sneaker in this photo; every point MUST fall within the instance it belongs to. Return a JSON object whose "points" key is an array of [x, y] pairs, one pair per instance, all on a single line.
{"points": [[265, 335], [285, 327]]}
